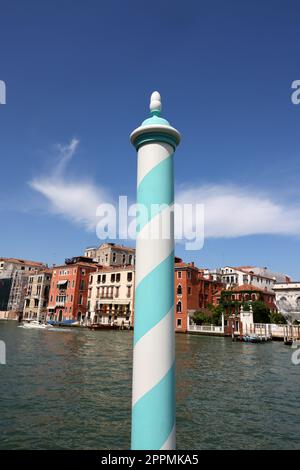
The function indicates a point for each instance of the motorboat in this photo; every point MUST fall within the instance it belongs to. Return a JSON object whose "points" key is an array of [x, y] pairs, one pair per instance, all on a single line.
{"points": [[103, 326], [64, 323], [252, 339], [35, 324]]}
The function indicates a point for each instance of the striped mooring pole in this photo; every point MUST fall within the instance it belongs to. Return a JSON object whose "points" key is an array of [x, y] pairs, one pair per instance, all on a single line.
{"points": [[153, 392]]}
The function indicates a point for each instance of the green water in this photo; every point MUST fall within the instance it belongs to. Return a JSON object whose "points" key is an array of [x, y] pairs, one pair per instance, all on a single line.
{"points": [[72, 390]]}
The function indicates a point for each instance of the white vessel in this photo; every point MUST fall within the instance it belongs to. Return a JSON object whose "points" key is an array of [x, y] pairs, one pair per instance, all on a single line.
{"points": [[34, 324]]}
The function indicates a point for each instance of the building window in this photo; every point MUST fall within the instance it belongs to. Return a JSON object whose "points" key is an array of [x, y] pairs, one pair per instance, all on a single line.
{"points": [[179, 290], [114, 257], [82, 284], [113, 278], [73, 284], [98, 278], [179, 322], [118, 277], [130, 259], [80, 299], [103, 278], [128, 291], [179, 274], [129, 277], [117, 291], [189, 290], [91, 279], [179, 307], [189, 275]]}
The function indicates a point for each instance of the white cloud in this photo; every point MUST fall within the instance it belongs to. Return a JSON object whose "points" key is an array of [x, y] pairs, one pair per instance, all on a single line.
{"points": [[231, 211], [76, 200]]}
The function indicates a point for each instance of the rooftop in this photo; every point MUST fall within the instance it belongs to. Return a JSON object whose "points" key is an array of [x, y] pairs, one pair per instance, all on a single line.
{"points": [[25, 262], [250, 287]]}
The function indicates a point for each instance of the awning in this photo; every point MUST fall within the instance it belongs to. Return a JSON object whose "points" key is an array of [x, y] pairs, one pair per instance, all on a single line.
{"points": [[113, 302], [61, 283]]}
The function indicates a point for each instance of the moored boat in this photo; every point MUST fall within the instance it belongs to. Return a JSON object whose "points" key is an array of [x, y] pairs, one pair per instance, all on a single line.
{"points": [[64, 323], [103, 326], [252, 339]]}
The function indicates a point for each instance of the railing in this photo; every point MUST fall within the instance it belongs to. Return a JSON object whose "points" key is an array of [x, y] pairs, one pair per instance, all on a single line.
{"points": [[206, 328]]}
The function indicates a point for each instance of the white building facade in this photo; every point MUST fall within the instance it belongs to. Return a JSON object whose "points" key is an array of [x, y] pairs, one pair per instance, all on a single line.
{"points": [[287, 298], [233, 277], [37, 295], [111, 254], [111, 297]]}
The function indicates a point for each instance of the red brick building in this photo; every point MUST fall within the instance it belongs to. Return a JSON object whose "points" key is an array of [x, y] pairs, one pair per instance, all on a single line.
{"points": [[248, 293], [192, 292], [69, 289]]}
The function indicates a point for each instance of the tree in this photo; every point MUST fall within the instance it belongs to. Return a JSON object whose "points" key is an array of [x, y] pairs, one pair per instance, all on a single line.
{"points": [[277, 318], [210, 316], [261, 313], [201, 318]]}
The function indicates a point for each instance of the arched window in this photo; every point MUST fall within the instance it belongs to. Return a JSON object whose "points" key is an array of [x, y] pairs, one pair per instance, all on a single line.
{"points": [[179, 290], [179, 307]]}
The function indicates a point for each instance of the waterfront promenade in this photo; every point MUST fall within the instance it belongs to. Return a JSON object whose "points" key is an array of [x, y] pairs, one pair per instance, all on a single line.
{"points": [[72, 389]]}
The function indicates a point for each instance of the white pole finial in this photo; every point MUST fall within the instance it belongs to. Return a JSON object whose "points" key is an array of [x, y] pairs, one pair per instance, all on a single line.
{"points": [[155, 102]]}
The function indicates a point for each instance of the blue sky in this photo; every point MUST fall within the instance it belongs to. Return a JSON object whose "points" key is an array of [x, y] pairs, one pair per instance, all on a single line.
{"points": [[84, 70]]}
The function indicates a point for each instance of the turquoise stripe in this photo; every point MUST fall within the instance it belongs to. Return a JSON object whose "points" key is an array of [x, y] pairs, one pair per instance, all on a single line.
{"points": [[153, 416], [154, 189], [154, 297]]}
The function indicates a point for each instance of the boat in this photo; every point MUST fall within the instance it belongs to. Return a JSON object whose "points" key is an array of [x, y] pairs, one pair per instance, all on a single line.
{"points": [[34, 324], [288, 342], [252, 339], [103, 326], [64, 323]]}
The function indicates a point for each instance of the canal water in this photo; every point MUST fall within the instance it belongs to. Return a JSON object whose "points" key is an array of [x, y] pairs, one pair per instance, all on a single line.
{"points": [[72, 390]]}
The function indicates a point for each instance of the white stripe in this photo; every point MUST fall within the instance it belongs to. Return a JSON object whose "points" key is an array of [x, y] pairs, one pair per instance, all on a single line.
{"points": [[151, 155], [170, 443], [153, 356], [155, 241]]}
